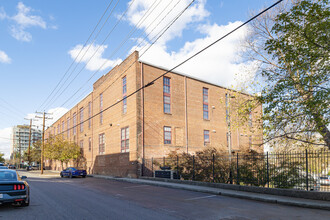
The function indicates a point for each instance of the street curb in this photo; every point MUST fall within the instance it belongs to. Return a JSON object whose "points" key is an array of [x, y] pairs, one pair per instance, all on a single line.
{"points": [[304, 203]]}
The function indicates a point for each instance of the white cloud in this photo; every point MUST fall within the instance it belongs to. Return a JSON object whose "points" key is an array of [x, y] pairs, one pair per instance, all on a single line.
{"points": [[162, 14], [4, 57], [23, 20], [6, 133], [3, 14], [218, 64], [92, 55], [5, 141], [54, 114]]}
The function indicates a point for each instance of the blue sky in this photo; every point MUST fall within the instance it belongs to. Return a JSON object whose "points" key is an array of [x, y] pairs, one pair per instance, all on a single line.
{"points": [[40, 39]]}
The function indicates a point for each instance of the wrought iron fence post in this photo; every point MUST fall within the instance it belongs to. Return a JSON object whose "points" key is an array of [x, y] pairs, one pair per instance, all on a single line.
{"points": [[177, 165], [306, 170], [237, 169], [152, 167], [267, 171], [213, 167], [142, 170], [193, 167]]}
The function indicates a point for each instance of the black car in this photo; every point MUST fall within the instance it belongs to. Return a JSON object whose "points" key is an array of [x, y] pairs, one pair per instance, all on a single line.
{"points": [[13, 189], [11, 166]]}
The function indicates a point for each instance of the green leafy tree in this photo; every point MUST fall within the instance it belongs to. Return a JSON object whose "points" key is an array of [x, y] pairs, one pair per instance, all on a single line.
{"points": [[2, 159], [35, 152], [59, 149], [291, 47]]}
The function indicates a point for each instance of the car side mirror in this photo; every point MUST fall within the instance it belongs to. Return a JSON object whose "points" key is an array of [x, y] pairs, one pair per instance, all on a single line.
{"points": [[23, 177]]}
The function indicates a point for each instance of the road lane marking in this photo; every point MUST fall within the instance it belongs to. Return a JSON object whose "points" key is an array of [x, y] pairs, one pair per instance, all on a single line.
{"points": [[203, 197], [128, 187]]}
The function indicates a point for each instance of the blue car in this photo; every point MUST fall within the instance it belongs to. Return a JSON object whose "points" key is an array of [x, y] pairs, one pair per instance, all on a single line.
{"points": [[13, 189], [72, 172]]}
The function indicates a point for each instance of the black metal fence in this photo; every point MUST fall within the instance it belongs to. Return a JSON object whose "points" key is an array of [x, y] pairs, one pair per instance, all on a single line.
{"points": [[308, 170]]}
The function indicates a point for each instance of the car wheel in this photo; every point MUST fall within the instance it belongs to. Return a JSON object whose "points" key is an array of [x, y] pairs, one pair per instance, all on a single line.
{"points": [[61, 175], [24, 203], [84, 176]]}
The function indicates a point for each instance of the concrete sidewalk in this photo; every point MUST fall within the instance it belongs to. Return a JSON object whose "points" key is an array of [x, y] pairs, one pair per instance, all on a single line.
{"points": [[37, 173], [284, 200]]}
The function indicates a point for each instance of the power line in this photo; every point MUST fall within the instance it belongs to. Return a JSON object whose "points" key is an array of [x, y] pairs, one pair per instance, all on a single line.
{"points": [[122, 16], [89, 46], [189, 58], [13, 107], [78, 54], [159, 34]]}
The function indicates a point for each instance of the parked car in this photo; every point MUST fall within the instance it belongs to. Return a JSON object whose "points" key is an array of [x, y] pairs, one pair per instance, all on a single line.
{"points": [[73, 172], [313, 183], [3, 167], [28, 168], [325, 180], [11, 166], [13, 189]]}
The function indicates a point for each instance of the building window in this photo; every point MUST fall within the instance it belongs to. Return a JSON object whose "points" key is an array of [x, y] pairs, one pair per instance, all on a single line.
{"points": [[167, 94], [81, 119], [89, 144], [205, 103], [124, 95], [206, 137], [81, 147], [58, 129], [101, 108], [74, 123], [125, 139], [167, 135], [89, 114], [101, 143], [63, 124], [68, 128]]}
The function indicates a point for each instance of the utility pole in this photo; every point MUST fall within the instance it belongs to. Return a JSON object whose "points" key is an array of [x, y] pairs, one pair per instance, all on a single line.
{"points": [[43, 139], [29, 148]]}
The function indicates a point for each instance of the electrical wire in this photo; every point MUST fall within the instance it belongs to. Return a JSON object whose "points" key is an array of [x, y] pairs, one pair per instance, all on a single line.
{"points": [[113, 28], [77, 55], [159, 34], [183, 62]]}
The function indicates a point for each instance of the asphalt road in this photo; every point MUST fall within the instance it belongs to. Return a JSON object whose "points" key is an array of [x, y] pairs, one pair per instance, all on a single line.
{"points": [[91, 198]]}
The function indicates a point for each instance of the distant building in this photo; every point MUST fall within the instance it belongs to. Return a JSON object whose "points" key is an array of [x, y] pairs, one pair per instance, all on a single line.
{"points": [[175, 113], [20, 138]]}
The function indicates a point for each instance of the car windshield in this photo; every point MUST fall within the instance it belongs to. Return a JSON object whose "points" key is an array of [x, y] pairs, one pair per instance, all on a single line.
{"points": [[7, 176], [73, 169]]}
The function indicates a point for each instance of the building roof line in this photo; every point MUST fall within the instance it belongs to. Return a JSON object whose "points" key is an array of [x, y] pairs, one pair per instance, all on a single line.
{"points": [[192, 77]]}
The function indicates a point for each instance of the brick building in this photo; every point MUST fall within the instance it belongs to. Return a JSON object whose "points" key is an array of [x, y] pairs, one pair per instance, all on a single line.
{"points": [[175, 113]]}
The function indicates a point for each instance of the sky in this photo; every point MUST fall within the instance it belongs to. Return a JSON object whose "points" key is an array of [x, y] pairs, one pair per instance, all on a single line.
{"points": [[51, 52]]}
